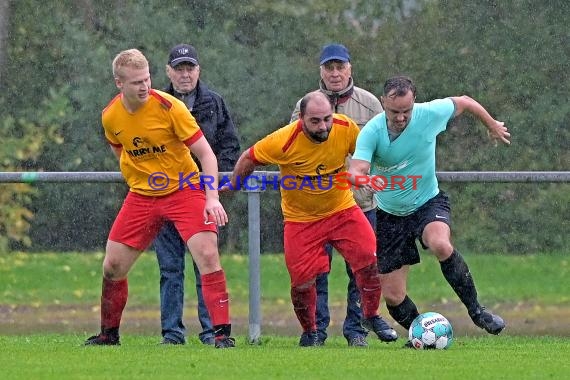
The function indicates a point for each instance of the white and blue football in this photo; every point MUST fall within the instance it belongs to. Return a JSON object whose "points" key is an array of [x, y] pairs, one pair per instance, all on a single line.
{"points": [[431, 331]]}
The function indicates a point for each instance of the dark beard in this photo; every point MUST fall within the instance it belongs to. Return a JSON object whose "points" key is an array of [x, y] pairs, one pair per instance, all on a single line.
{"points": [[319, 136]]}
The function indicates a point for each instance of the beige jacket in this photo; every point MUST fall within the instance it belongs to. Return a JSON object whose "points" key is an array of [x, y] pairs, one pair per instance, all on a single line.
{"points": [[361, 106]]}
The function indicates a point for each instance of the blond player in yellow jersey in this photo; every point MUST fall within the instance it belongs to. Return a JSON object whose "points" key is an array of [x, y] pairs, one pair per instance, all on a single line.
{"points": [[152, 134], [318, 207]]}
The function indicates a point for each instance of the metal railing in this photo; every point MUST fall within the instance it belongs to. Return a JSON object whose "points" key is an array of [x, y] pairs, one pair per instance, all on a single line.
{"points": [[254, 189], [539, 176]]}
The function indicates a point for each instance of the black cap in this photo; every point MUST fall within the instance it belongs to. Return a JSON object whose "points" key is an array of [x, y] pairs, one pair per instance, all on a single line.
{"points": [[182, 53]]}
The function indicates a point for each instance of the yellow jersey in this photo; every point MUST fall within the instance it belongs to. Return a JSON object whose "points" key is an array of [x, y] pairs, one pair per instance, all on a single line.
{"points": [[311, 175], [155, 158]]}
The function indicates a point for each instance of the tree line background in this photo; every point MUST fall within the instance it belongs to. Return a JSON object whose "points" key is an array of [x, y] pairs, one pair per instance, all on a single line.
{"points": [[262, 56]]}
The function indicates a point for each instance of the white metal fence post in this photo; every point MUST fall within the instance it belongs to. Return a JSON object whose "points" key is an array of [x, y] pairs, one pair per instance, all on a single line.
{"points": [[254, 250]]}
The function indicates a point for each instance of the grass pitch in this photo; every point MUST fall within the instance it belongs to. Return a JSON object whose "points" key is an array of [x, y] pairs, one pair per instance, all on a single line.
{"points": [[49, 305], [63, 357]]}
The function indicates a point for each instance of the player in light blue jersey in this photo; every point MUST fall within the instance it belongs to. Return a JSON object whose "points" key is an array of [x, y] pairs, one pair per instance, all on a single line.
{"points": [[398, 147]]}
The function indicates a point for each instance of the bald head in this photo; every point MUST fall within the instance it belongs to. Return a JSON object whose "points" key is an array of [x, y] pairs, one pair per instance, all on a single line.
{"points": [[317, 97], [317, 116]]}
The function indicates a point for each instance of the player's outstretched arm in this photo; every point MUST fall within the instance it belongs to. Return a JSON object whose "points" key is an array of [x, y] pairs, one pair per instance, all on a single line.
{"points": [[497, 129], [359, 176], [243, 168], [357, 169]]}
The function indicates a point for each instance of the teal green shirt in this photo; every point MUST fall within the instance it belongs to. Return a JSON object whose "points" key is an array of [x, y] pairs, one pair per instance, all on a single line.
{"points": [[407, 163]]}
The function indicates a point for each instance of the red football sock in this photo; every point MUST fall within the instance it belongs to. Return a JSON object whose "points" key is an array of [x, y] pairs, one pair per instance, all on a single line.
{"points": [[113, 300], [216, 297], [305, 305], [368, 282]]}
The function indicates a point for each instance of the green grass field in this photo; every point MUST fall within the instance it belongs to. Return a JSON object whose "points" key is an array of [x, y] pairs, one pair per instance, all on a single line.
{"points": [[63, 357], [49, 305]]}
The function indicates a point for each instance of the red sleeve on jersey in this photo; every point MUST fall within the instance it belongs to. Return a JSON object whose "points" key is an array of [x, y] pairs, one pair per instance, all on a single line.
{"points": [[192, 139], [252, 156], [116, 145]]}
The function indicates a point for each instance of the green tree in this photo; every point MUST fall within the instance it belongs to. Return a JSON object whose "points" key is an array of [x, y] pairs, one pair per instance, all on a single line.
{"points": [[512, 57], [262, 57]]}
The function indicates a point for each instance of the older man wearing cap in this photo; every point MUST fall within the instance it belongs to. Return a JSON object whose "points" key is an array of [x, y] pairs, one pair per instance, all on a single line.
{"points": [[360, 105], [213, 117]]}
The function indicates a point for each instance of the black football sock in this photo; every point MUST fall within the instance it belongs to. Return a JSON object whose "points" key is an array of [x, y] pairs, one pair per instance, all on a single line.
{"points": [[404, 313], [456, 272], [222, 331]]}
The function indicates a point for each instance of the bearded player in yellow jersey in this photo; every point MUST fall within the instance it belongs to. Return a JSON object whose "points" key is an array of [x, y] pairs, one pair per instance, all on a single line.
{"points": [[314, 148], [152, 134]]}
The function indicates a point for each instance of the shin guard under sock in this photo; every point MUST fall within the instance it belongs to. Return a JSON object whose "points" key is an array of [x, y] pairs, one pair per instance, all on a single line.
{"points": [[456, 272], [404, 313], [368, 283], [305, 306], [114, 296], [216, 297]]}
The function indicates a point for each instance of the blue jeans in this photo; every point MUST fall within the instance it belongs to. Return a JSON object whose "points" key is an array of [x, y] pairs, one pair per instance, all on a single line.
{"points": [[171, 251], [352, 323]]}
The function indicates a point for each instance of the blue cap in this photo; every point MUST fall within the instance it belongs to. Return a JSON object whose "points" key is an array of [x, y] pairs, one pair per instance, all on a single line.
{"points": [[334, 52]]}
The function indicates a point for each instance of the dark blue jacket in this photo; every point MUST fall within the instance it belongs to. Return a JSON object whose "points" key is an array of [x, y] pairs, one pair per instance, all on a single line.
{"points": [[214, 120]]}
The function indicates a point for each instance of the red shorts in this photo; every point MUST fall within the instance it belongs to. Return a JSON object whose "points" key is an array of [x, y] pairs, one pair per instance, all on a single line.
{"points": [[348, 231], [141, 217]]}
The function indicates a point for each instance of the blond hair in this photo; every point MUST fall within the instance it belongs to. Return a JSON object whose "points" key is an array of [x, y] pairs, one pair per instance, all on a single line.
{"points": [[132, 58]]}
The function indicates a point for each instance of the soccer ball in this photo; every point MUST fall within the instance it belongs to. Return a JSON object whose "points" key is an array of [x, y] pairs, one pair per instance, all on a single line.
{"points": [[431, 331]]}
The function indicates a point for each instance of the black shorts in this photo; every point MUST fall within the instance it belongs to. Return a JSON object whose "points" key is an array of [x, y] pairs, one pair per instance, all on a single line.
{"points": [[396, 235]]}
